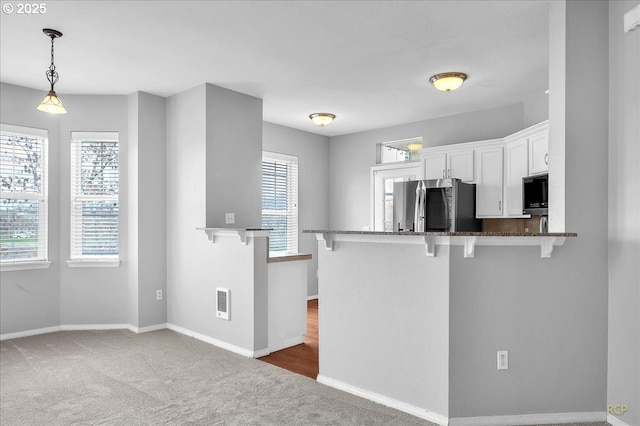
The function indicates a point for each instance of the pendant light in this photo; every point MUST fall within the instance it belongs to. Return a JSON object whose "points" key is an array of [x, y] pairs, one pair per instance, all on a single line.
{"points": [[448, 81], [51, 103], [322, 118]]}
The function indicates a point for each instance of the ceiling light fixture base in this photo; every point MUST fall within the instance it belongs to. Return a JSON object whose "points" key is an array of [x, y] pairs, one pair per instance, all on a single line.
{"points": [[448, 81], [322, 118], [52, 33]]}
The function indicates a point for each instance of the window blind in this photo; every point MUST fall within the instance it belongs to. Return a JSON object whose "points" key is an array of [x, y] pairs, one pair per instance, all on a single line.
{"points": [[95, 204], [23, 196], [280, 201]]}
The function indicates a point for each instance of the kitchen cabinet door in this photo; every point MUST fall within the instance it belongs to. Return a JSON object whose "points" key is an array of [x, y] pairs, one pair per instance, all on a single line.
{"points": [[489, 182], [435, 165], [539, 153], [516, 167], [460, 165]]}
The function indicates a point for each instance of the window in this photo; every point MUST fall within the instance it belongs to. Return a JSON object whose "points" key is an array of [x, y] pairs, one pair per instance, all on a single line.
{"points": [[94, 196], [23, 201], [280, 201], [403, 150]]}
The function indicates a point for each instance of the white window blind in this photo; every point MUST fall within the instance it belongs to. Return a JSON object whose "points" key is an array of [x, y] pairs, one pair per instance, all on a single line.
{"points": [[280, 201], [94, 195], [23, 197]]}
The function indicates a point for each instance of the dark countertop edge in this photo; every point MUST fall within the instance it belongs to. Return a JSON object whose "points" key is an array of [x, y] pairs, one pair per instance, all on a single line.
{"points": [[289, 257], [233, 229], [447, 234]]}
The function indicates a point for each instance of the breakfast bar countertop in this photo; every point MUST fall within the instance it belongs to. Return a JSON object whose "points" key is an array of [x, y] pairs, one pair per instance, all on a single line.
{"points": [[447, 234]]}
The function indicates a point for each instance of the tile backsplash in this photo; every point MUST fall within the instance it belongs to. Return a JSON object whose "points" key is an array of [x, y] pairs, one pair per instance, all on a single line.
{"points": [[512, 225]]}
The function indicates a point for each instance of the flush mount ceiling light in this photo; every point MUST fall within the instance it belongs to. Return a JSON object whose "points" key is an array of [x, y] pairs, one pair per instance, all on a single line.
{"points": [[448, 81], [51, 103], [322, 118]]}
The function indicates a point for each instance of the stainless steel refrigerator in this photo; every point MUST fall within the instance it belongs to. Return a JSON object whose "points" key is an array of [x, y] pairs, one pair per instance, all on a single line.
{"points": [[435, 205]]}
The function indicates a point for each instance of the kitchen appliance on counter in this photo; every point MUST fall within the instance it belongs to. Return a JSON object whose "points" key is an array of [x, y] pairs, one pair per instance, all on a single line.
{"points": [[435, 205], [535, 195]]}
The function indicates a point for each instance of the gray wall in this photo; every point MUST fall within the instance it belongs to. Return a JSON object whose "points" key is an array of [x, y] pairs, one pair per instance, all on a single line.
{"points": [[31, 299], [234, 157], [148, 207], [351, 156], [624, 227], [313, 187]]}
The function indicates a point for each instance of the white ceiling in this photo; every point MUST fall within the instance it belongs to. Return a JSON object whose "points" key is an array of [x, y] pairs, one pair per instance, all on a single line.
{"points": [[368, 62]]}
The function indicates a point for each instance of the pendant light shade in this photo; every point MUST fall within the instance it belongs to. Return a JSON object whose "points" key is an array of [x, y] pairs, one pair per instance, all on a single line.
{"points": [[322, 118], [448, 81], [52, 103]]}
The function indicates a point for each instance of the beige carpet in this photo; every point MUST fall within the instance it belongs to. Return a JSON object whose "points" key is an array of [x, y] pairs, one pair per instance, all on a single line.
{"points": [[159, 378]]}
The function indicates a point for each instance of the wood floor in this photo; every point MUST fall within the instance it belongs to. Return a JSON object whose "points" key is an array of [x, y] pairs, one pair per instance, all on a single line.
{"points": [[303, 358]]}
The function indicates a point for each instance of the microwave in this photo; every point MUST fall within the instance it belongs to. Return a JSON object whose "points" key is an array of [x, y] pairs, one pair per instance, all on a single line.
{"points": [[535, 195]]}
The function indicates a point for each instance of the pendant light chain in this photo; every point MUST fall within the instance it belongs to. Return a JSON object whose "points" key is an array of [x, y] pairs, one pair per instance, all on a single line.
{"points": [[51, 73]]}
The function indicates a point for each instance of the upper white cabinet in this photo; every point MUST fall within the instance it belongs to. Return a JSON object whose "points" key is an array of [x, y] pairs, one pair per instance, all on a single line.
{"points": [[442, 163], [435, 164], [489, 182], [515, 168], [539, 152]]}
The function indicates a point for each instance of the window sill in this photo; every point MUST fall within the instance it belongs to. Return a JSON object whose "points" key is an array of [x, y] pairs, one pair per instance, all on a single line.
{"points": [[24, 266], [85, 263]]}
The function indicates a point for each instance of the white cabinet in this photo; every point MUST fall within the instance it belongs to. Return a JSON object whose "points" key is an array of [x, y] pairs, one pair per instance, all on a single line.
{"points": [[516, 167], [439, 163], [460, 165], [489, 181], [539, 152], [435, 165]]}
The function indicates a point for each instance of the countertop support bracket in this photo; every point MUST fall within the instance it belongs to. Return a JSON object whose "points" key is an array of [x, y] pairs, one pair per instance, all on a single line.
{"points": [[470, 246], [430, 246], [546, 247], [327, 238]]}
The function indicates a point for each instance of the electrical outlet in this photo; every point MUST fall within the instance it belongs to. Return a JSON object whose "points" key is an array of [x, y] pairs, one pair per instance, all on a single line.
{"points": [[503, 360], [158, 294], [229, 218]]}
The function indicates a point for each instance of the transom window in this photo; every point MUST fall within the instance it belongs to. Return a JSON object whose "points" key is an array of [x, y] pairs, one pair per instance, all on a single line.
{"points": [[402, 150], [23, 201], [280, 201], [95, 203]]}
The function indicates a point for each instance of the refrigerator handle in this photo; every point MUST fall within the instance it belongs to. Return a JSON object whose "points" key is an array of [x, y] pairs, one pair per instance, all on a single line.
{"points": [[419, 219]]}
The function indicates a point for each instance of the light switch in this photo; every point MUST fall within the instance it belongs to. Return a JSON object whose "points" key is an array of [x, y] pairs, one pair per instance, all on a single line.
{"points": [[229, 218]]}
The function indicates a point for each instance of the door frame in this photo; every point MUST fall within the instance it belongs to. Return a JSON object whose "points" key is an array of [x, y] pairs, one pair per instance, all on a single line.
{"points": [[378, 174]]}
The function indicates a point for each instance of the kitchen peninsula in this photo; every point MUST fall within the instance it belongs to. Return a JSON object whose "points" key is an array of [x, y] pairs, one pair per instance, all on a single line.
{"points": [[414, 320]]}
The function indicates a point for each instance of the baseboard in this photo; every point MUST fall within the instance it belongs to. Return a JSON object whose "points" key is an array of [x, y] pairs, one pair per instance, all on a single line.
{"points": [[312, 297], [219, 343], [94, 327], [530, 419], [286, 344], [384, 400], [27, 333], [614, 421], [81, 327], [148, 328]]}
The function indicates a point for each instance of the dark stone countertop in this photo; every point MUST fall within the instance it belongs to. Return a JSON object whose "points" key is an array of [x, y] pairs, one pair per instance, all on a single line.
{"points": [[447, 234]]}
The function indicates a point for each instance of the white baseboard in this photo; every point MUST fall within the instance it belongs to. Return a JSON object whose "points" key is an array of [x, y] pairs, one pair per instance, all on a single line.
{"points": [[286, 344], [81, 327], [94, 327], [219, 343], [614, 421], [384, 400], [148, 328], [312, 297], [27, 333], [530, 419]]}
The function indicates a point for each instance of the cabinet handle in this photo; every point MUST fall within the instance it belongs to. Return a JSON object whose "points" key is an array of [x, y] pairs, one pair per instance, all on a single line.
{"points": [[444, 173], [546, 159], [449, 173], [500, 205]]}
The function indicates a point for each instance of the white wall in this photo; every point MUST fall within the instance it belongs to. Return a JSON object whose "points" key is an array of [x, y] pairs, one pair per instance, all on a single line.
{"points": [[312, 151], [351, 156], [31, 299], [624, 205]]}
